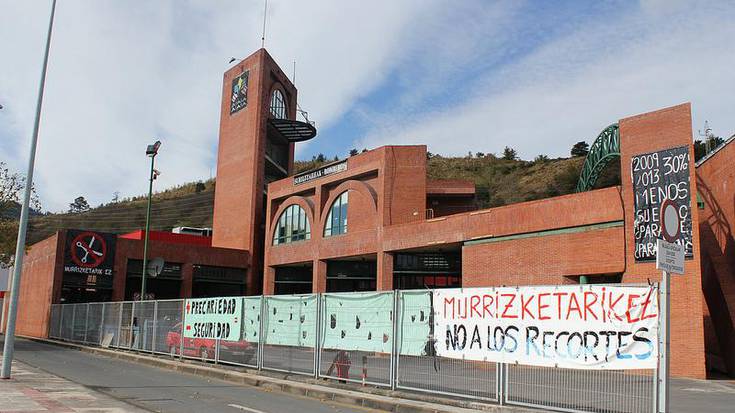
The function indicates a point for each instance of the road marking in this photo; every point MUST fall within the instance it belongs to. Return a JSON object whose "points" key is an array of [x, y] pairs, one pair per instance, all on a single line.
{"points": [[247, 409]]}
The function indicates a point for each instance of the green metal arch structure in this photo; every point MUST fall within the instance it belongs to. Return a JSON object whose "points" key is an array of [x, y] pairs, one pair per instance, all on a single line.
{"points": [[605, 149]]}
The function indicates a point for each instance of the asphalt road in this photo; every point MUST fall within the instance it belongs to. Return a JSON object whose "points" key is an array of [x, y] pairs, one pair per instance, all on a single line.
{"points": [[161, 390]]}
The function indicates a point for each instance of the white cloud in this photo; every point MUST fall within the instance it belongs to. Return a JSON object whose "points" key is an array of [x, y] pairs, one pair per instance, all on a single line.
{"points": [[124, 73], [571, 87]]}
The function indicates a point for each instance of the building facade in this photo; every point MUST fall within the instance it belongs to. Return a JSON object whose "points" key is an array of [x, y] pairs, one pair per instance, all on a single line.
{"points": [[375, 222]]}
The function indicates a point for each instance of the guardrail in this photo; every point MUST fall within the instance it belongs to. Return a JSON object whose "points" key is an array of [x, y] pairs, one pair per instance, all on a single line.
{"points": [[382, 339]]}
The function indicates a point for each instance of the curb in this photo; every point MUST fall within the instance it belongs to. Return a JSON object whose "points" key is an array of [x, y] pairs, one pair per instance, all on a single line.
{"points": [[387, 400]]}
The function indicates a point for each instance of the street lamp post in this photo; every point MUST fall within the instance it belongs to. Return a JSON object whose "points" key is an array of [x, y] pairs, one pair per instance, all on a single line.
{"points": [[151, 151], [9, 344]]}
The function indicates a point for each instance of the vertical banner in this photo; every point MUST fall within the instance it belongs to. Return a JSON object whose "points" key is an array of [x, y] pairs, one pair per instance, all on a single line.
{"points": [[656, 177], [580, 327], [213, 318], [239, 94]]}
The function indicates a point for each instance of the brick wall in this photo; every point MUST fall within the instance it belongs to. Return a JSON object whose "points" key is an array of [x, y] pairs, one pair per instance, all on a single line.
{"points": [[650, 132]]}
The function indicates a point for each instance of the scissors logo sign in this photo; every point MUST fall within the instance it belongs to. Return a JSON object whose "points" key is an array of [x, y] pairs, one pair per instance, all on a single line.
{"points": [[88, 249]]}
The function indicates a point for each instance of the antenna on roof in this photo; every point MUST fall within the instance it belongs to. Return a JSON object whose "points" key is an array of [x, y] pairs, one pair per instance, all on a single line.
{"points": [[265, 14]]}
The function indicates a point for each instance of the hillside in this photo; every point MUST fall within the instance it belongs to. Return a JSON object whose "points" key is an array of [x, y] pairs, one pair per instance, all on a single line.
{"points": [[498, 181]]}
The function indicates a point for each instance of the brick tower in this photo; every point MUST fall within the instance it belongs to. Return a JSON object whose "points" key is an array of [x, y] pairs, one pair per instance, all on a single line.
{"points": [[256, 146]]}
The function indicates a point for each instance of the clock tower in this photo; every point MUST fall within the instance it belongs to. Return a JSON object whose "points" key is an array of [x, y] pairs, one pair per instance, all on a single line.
{"points": [[256, 146]]}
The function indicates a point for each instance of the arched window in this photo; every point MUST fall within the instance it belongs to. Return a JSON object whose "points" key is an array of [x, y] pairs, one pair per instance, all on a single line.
{"points": [[337, 218], [278, 105], [292, 226]]}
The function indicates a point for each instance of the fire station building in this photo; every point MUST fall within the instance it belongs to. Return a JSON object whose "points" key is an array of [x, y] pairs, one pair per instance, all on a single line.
{"points": [[375, 222]]}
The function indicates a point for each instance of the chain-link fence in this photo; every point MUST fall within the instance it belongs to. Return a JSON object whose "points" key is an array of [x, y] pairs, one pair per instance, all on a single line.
{"points": [[378, 338]]}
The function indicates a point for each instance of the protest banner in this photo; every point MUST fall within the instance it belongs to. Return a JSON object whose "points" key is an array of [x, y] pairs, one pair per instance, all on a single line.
{"points": [[581, 326], [213, 318]]}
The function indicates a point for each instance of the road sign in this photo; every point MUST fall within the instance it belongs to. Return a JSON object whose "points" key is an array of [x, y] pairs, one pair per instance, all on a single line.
{"points": [[670, 223], [670, 257]]}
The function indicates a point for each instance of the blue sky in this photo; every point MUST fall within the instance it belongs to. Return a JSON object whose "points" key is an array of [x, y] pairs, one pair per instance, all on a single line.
{"points": [[458, 76]]}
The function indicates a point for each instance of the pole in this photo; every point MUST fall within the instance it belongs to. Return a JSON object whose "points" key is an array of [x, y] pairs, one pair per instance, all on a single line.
{"points": [[147, 228], [23, 226], [664, 344]]}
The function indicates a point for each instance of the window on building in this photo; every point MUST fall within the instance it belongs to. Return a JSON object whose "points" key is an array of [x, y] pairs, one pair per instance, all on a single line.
{"points": [[278, 105], [292, 226], [337, 217], [427, 270]]}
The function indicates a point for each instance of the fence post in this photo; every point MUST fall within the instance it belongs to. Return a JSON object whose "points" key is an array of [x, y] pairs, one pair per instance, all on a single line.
{"points": [[317, 335], [502, 384], [119, 324], [61, 321], [181, 334], [86, 325], [155, 326], [73, 321], [261, 339], [394, 347], [101, 335]]}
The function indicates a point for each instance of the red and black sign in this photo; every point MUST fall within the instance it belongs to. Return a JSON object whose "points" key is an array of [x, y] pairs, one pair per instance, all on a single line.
{"points": [[89, 258]]}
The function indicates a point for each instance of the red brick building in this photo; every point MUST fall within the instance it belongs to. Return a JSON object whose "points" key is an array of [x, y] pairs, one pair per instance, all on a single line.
{"points": [[192, 269], [375, 222]]}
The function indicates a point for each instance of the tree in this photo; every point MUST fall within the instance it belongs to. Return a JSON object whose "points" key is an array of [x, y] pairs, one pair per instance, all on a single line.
{"points": [[353, 152], [480, 154], [541, 158], [700, 148], [510, 154], [11, 189], [79, 205], [116, 196], [580, 148], [12, 185], [199, 187], [320, 158]]}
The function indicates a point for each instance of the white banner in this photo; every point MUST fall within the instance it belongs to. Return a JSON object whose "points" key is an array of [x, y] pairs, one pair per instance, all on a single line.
{"points": [[580, 326], [213, 318]]}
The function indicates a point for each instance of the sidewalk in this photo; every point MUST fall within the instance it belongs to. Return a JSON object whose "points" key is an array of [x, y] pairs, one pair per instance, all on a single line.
{"points": [[33, 390]]}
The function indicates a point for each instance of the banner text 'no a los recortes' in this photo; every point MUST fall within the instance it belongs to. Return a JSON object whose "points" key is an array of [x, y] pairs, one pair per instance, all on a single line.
{"points": [[89, 259], [656, 177], [580, 327], [213, 318]]}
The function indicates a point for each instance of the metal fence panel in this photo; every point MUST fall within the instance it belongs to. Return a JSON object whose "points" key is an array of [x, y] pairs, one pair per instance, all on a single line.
{"points": [[143, 326], [246, 351], [54, 329], [168, 327], [80, 323], [110, 324], [603, 391], [67, 315], [418, 367], [356, 337], [125, 339], [94, 323], [289, 333]]}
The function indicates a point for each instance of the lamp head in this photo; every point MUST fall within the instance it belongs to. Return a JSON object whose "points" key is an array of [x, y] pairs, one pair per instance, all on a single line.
{"points": [[152, 150]]}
